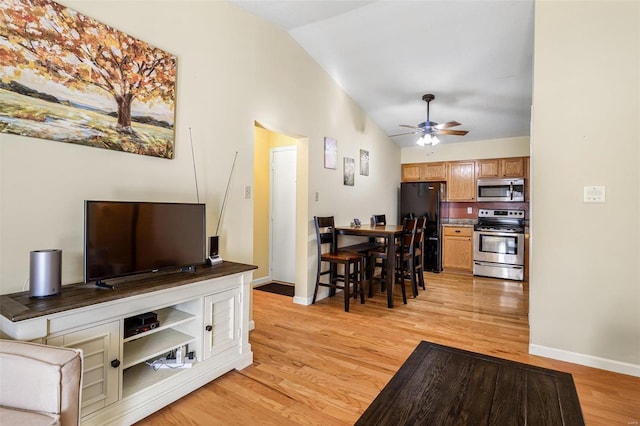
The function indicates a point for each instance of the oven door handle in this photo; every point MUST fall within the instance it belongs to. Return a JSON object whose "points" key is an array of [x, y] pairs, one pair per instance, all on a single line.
{"points": [[500, 234]]}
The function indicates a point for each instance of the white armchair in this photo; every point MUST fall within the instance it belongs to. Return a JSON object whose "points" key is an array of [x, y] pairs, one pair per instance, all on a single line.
{"points": [[40, 385]]}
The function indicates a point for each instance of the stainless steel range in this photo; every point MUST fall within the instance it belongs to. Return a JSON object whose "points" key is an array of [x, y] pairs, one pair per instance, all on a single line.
{"points": [[498, 244]]}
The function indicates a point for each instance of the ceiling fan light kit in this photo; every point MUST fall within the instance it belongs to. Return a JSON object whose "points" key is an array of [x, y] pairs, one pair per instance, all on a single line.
{"points": [[429, 130], [428, 139]]}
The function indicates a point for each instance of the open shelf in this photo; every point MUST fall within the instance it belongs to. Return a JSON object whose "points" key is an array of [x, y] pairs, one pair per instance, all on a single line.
{"points": [[167, 317], [152, 345], [141, 376]]}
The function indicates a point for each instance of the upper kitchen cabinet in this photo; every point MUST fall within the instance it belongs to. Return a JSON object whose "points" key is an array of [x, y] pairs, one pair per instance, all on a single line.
{"points": [[461, 185], [502, 167], [424, 172]]}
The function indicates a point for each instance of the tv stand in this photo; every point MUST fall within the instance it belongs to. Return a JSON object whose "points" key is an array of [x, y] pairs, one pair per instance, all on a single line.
{"points": [[205, 312]]}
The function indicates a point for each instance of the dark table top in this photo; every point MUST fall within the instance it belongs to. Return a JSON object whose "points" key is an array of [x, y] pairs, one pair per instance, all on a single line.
{"points": [[370, 230], [439, 385]]}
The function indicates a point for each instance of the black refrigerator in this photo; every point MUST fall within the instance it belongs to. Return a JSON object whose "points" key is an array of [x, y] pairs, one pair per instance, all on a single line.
{"points": [[423, 199]]}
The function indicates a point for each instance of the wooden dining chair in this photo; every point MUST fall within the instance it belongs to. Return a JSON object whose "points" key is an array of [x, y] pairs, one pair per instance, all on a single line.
{"points": [[403, 261], [378, 262], [351, 278], [418, 262]]}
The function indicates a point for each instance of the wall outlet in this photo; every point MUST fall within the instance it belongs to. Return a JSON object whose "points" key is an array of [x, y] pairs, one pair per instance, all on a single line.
{"points": [[247, 192], [469, 210], [317, 196], [594, 194]]}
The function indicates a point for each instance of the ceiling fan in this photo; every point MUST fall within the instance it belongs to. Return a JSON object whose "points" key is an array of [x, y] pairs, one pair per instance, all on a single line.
{"points": [[429, 130]]}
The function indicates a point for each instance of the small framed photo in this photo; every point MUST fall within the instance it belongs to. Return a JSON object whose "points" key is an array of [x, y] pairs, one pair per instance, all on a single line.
{"points": [[364, 162], [349, 171], [330, 153]]}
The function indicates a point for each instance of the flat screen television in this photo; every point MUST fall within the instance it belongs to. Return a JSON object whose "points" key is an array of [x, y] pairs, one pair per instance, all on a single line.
{"points": [[126, 238]]}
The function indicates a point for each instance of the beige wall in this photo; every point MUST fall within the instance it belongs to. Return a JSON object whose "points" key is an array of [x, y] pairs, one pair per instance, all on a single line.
{"points": [[453, 151], [585, 276], [233, 70]]}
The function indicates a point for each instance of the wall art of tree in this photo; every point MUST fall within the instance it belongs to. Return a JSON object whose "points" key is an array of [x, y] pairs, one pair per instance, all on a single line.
{"points": [[55, 63]]}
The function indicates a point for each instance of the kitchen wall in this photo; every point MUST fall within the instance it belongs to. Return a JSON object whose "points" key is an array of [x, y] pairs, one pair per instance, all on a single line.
{"points": [[452, 150], [233, 69], [585, 274]]}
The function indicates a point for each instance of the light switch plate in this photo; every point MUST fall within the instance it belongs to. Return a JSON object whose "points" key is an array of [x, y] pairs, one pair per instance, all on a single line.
{"points": [[247, 192], [594, 194]]}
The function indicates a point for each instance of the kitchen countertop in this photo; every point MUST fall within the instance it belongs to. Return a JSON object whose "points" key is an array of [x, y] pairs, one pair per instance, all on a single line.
{"points": [[464, 223]]}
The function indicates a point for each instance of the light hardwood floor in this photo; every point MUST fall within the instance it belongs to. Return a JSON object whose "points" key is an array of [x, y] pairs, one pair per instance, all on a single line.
{"points": [[317, 365]]}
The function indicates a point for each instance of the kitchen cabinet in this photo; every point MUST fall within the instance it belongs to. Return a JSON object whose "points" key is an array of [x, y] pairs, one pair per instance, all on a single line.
{"points": [[461, 185], [424, 172], [457, 249], [501, 167]]}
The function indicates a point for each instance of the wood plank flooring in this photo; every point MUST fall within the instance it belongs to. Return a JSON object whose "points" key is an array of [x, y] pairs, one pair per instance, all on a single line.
{"points": [[317, 365]]}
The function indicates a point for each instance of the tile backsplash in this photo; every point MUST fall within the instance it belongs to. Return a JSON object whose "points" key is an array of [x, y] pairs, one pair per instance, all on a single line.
{"points": [[459, 210]]}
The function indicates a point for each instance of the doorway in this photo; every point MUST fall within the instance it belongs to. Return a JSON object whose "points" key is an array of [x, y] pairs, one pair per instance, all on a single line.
{"points": [[282, 221]]}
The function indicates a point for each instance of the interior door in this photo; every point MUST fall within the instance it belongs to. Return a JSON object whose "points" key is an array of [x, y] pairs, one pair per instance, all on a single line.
{"points": [[283, 214]]}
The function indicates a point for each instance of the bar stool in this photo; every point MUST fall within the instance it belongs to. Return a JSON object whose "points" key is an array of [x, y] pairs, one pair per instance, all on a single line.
{"points": [[404, 257], [352, 262]]}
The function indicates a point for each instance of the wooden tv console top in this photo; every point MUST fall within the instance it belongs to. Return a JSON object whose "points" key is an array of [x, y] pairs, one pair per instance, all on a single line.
{"points": [[20, 307]]}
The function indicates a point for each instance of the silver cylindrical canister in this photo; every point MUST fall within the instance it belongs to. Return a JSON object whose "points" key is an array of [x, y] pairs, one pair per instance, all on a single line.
{"points": [[45, 272]]}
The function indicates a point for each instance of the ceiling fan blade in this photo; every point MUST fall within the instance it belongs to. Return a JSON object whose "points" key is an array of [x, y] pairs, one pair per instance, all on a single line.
{"points": [[402, 134], [447, 124], [407, 125], [452, 132]]}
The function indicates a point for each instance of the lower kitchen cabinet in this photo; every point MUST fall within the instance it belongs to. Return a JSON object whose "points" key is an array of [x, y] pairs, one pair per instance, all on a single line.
{"points": [[457, 250]]}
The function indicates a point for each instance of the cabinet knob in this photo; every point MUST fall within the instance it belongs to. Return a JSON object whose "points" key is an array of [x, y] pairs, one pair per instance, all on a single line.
{"points": [[115, 363], [208, 328]]}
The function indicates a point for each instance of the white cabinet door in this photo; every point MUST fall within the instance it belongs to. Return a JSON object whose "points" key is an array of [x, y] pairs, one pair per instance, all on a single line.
{"points": [[100, 347], [221, 322]]}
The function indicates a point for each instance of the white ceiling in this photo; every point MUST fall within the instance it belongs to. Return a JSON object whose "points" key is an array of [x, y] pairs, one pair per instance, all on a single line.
{"points": [[475, 56]]}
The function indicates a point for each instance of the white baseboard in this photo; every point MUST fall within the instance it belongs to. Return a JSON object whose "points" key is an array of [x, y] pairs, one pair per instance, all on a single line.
{"points": [[306, 301], [260, 281], [587, 360], [323, 292]]}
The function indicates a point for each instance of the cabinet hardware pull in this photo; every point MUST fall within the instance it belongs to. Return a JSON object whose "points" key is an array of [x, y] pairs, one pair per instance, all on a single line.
{"points": [[208, 328], [115, 363], [457, 231]]}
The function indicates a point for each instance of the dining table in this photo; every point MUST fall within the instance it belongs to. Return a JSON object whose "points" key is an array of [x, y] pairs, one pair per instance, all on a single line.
{"points": [[389, 233]]}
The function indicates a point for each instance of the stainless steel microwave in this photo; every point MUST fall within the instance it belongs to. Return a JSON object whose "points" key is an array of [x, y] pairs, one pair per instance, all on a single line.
{"points": [[503, 190]]}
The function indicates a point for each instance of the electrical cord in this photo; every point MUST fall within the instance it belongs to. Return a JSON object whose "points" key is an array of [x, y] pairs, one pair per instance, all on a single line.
{"points": [[158, 363]]}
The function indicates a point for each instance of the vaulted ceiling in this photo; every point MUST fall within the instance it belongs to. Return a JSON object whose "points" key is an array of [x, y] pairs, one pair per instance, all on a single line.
{"points": [[476, 57]]}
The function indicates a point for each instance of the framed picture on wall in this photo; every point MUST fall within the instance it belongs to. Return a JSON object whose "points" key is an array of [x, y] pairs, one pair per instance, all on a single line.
{"points": [[349, 171], [330, 153], [364, 162], [95, 85]]}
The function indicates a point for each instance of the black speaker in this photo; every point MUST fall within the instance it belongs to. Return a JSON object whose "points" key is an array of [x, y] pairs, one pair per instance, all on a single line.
{"points": [[213, 245], [214, 258]]}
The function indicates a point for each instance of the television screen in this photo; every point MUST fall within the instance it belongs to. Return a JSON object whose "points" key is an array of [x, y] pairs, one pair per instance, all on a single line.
{"points": [[126, 238]]}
